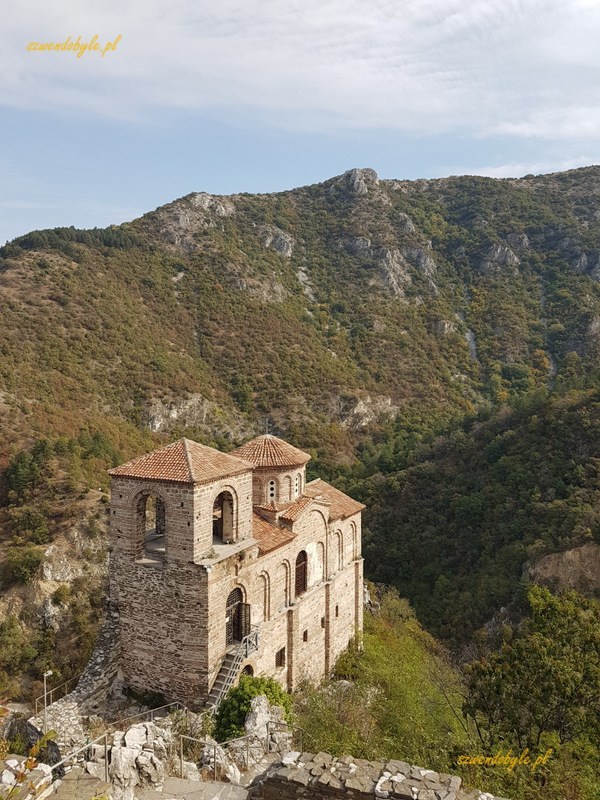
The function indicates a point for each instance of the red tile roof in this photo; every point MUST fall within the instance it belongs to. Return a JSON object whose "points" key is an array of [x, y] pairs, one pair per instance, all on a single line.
{"points": [[295, 510], [342, 506], [183, 461], [270, 451], [269, 536]]}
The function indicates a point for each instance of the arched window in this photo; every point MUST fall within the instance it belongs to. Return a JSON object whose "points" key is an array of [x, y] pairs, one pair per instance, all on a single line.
{"points": [[282, 586], [321, 559], [339, 541], [354, 535], [301, 572], [152, 522], [272, 491], [223, 517], [266, 593], [297, 486]]}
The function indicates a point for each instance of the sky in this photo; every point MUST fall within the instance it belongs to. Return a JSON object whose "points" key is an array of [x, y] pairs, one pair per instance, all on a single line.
{"points": [[267, 95]]}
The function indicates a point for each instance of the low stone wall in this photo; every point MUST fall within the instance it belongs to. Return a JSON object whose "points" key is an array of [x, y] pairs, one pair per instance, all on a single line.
{"points": [[100, 677], [320, 776], [98, 682]]}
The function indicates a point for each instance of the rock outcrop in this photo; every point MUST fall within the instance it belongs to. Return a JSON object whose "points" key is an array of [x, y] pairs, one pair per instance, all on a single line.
{"points": [[578, 568], [24, 732], [498, 259], [178, 222], [278, 240], [361, 181], [393, 270]]}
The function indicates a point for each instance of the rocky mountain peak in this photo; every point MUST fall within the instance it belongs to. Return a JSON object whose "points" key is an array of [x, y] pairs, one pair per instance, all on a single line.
{"points": [[361, 180]]}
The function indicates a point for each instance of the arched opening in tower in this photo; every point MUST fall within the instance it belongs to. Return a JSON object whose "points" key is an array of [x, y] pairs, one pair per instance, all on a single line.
{"points": [[152, 518], [223, 523]]}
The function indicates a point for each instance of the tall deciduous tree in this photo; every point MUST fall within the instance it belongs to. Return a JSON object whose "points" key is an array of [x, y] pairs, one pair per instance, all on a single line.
{"points": [[546, 679]]}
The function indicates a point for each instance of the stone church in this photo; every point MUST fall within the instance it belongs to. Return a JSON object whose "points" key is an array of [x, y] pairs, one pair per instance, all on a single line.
{"points": [[224, 564]]}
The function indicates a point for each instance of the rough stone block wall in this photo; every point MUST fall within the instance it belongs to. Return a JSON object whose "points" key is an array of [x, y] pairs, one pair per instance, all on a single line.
{"points": [[163, 619], [240, 487], [161, 604], [314, 777]]}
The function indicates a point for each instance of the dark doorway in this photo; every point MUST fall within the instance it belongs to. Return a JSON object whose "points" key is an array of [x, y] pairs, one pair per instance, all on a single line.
{"points": [[237, 618], [248, 670]]}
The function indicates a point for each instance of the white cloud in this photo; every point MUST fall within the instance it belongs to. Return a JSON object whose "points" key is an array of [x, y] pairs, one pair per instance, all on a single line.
{"points": [[518, 67], [517, 170]]}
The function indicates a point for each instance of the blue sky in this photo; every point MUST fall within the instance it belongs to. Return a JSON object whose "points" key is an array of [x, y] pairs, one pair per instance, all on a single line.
{"points": [[231, 97]]}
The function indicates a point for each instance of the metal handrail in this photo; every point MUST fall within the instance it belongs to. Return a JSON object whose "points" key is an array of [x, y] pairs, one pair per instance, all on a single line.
{"points": [[246, 738], [104, 736], [50, 693], [151, 711], [68, 757], [250, 640], [249, 644], [183, 736]]}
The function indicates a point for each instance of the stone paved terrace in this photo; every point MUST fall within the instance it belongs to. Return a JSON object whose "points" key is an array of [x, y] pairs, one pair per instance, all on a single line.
{"points": [[178, 789], [79, 785]]}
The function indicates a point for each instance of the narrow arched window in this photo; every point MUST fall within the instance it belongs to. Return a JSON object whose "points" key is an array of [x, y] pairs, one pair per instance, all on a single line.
{"points": [[151, 520], [223, 517], [266, 587], [354, 541], [272, 490], [301, 572], [321, 560], [297, 486], [339, 542]]}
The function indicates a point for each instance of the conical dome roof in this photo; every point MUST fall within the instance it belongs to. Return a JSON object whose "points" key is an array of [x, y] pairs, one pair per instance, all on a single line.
{"points": [[269, 451]]}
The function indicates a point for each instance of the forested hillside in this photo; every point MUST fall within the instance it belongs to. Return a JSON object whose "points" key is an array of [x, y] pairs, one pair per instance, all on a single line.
{"points": [[322, 307], [434, 344], [453, 529]]}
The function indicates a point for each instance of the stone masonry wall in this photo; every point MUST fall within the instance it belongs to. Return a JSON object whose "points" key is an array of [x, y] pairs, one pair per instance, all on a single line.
{"points": [[161, 604], [317, 777], [313, 628]]}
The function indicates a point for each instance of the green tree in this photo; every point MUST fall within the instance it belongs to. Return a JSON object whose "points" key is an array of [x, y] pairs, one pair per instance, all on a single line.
{"points": [[21, 564], [546, 679], [30, 525], [232, 712]]}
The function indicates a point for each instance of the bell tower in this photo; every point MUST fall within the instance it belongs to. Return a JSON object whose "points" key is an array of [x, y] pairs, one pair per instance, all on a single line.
{"points": [[168, 508]]}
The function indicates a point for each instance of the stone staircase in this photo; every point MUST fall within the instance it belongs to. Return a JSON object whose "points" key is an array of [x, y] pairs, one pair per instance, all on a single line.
{"points": [[179, 789], [79, 785]]}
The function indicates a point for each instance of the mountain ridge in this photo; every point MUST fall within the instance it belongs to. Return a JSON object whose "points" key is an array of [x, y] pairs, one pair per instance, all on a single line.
{"points": [[363, 317]]}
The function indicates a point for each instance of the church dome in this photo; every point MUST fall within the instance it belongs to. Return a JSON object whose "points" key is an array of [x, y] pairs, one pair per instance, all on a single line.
{"points": [[270, 452]]}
